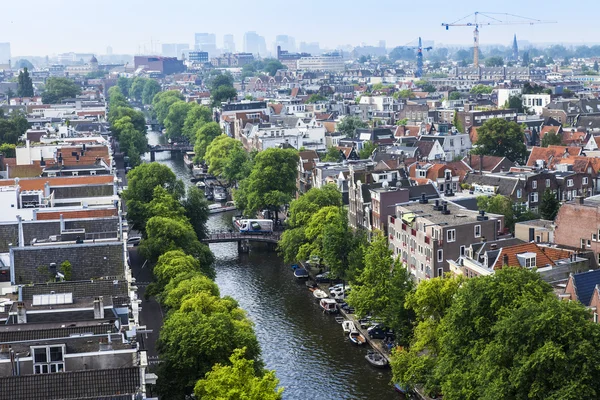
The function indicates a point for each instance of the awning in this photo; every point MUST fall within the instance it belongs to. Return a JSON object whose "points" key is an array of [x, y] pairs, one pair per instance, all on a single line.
{"points": [[408, 218]]}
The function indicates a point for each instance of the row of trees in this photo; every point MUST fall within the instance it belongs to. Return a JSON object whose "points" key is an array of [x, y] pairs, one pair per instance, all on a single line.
{"points": [[11, 128], [128, 126], [57, 89], [500, 336], [139, 89], [204, 338], [269, 66], [221, 87]]}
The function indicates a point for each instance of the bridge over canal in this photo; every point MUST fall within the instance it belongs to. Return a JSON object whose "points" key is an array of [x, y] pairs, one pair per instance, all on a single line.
{"points": [[243, 239]]}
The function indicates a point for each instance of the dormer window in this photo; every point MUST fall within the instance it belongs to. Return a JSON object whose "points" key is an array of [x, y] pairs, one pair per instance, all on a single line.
{"points": [[527, 260]]}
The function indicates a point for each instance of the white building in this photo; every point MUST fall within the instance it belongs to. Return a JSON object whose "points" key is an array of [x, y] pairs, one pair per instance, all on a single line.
{"points": [[505, 94], [536, 102], [321, 63], [378, 103], [454, 145]]}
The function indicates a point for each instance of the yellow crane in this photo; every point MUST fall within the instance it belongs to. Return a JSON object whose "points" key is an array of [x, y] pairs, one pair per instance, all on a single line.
{"points": [[492, 19]]}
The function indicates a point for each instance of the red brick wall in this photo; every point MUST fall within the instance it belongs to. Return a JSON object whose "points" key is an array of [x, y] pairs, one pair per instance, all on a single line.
{"points": [[575, 222]]}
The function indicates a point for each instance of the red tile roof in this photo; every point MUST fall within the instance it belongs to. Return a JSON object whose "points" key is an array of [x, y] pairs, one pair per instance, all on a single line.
{"points": [[542, 258], [551, 154]]}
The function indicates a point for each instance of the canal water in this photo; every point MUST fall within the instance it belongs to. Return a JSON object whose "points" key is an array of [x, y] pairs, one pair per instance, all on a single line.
{"points": [[312, 357]]}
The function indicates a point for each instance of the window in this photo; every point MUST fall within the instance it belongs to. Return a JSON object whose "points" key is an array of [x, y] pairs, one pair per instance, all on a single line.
{"points": [[547, 182], [594, 237], [440, 272], [477, 231], [569, 182], [596, 318], [534, 197], [530, 262], [582, 243], [589, 243], [518, 193], [584, 180], [440, 255], [534, 184], [451, 235], [48, 359], [462, 250]]}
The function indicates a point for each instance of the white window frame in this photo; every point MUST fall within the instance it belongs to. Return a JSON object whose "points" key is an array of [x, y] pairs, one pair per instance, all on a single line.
{"points": [[477, 231], [451, 235], [440, 255], [584, 180], [462, 250], [547, 182], [49, 366], [569, 182], [534, 184], [519, 193], [530, 262]]}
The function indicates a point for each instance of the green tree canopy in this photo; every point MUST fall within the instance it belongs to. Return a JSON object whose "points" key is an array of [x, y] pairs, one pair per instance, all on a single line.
{"points": [[57, 89], [315, 98], [381, 289], [454, 96], [498, 137], [332, 155], [551, 138], [349, 124], [12, 128], [220, 80], [137, 88], [272, 65], [271, 183], [25, 84], [227, 159], [8, 149], [238, 381], [515, 102], [162, 101], [204, 331], [367, 150], [151, 89], [302, 209], [223, 94], [496, 61], [140, 190], [173, 263], [549, 205], [185, 285], [204, 137], [404, 94], [196, 210], [196, 117], [175, 119], [124, 84], [481, 89]]}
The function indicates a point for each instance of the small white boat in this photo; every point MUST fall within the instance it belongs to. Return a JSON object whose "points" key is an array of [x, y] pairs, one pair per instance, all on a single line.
{"points": [[200, 185], [188, 159], [348, 326], [357, 338], [219, 208], [320, 294], [329, 306]]}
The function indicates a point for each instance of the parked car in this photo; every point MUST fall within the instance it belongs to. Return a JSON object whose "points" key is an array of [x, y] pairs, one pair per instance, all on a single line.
{"points": [[323, 278], [134, 240], [340, 291], [380, 332]]}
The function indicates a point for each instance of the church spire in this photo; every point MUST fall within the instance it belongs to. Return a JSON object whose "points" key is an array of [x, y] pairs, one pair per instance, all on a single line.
{"points": [[515, 49]]}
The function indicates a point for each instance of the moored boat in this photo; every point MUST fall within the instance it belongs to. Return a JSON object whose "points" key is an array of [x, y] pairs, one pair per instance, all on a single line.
{"points": [[329, 306], [376, 359], [301, 273], [357, 338], [188, 159], [218, 208], [320, 294], [348, 326]]}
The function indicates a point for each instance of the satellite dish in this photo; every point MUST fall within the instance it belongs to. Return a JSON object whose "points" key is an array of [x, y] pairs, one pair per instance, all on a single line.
{"points": [[385, 184]]}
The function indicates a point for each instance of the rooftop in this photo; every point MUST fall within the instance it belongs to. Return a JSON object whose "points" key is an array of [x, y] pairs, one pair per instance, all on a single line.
{"points": [[457, 216]]}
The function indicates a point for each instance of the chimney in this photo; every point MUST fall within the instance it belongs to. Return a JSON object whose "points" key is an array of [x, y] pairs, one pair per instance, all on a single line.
{"points": [[21, 235], [423, 199], [505, 260], [445, 210], [493, 246], [21, 313], [98, 308], [62, 223], [481, 164]]}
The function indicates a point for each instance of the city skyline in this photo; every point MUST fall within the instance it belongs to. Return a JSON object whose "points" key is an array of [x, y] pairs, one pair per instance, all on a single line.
{"points": [[163, 23]]}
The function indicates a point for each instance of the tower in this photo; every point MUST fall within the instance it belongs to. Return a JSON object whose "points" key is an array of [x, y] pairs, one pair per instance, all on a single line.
{"points": [[515, 49], [419, 72]]}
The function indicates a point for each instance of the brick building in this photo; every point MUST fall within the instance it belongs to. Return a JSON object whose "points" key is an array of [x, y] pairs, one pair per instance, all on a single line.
{"points": [[578, 224]]}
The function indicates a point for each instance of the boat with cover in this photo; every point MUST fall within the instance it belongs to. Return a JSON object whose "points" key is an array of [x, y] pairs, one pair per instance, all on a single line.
{"points": [[348, 326], [328, 306], [320, 294], [376, 359]]}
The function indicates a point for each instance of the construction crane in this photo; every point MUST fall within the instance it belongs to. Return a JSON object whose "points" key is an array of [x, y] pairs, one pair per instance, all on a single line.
{"points": [[494, 19], [419, 48]]}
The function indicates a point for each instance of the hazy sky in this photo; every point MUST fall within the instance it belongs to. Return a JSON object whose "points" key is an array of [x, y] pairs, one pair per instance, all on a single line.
{"points": [[41, 27]]}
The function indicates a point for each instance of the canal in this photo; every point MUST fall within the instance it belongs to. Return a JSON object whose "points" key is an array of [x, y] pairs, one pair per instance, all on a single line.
{"points": [[312, 357]]}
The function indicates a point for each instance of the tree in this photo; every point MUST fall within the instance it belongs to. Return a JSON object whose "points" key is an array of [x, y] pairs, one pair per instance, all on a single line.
{"points": [[238, 381], [454, 96], [140, 190], [427, 87], [9, 94], [204, 331], [350, 124], [196, 117], [271, 183], [223, 94], [315, 98], [13, 128], [176, 262], [498, 137], [515, 102], [204, 137], [175, 119], [25, 84], [549, 205], [332, 155], [196, 211], [151, 89], [404, 94], [57, 89], [495, 61], [456, 122], [220, 80], [402, 122], [162, 101], [238, 165], [551, 138], [525, 62], [136, 117], [8, 149], [165, 234], [66, 269], [124, 84], [185, 285], [305, 206], [137, 88], [367, 150], [227, 159], [164, 204], [481, 89], [381, 289], [272, 65]]}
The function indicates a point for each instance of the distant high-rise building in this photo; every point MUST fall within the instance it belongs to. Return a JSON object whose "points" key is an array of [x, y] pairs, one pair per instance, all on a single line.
{"points": [[515, 49], [4, 53], [228, 43], [174, 49], [255, 44], [206, 42], [285, 42], [382, 44], [312, 48]]}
